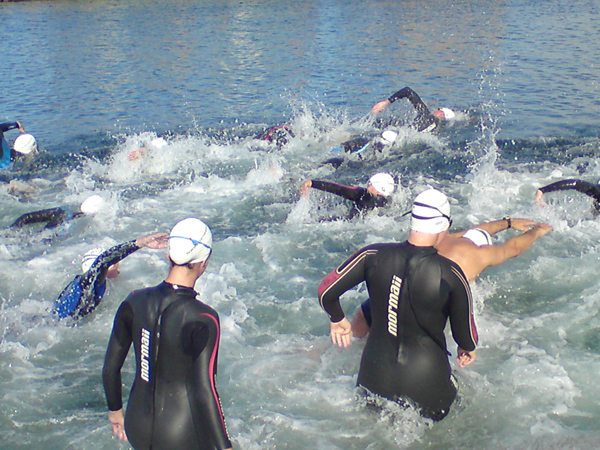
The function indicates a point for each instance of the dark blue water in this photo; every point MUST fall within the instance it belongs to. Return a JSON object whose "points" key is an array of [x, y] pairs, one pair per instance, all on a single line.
{"points": [[94, 80]]}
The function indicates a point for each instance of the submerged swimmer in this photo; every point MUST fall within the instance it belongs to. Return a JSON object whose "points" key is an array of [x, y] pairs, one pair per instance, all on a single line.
{"points": [[425, 120], [155, 144], [174, 403], [376, 195], [473, 251], [85, 292], [54, 217], [585, 187], [413, 292]]}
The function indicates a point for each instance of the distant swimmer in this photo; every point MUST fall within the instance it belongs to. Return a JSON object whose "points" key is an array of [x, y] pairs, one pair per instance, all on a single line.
{"points": [[425, 120], [585, 187], [85, 292], [174, 403], [54, 217], [278, 135], [155, 144], [413, 292], [473, 251], [24, 145], [376, 195]]}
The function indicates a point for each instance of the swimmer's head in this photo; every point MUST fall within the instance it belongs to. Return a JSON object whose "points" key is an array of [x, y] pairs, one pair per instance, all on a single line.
{"points": [[383, 183], [25, 144], [190, 242], [158, 143], [389, 136], [89, 258], [478, 237], [92, 204], [444, 114], [430, 212]]}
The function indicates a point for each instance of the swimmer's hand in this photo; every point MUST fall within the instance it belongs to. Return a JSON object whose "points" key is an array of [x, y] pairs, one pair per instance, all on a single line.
{"points": [[158, 240], [539, 198], [117, 419], [380, 106], [464, 357], [341, 332], [305, 187], [135, 154], [20, 127]]}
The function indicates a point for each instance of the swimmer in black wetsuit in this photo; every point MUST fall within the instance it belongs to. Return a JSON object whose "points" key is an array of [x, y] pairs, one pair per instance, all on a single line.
{"points": [[381, 186], [85, 292], [473, 251], [413, 292], [54, 217], [425, 120], [173, 403], [585, 187]]}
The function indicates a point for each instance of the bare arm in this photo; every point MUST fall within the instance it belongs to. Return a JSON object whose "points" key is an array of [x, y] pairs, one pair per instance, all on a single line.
{"points": [[496, 255]]}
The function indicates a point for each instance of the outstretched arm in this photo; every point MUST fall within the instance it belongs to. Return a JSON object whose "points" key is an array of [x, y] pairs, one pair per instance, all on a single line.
{"points": [[498, 254]]}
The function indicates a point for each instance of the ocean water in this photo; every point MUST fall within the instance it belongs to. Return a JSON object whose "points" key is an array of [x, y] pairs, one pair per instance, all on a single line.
{"points": [[94, 80]]}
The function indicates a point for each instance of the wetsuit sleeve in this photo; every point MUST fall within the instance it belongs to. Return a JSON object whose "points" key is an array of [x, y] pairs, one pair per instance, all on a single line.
{"points": [[53, 216], [348, 192], [342, 279], [589, 189], [205, 338], [462, 321], [413, 98], [96, 275], [118, 347], [7, 126]]}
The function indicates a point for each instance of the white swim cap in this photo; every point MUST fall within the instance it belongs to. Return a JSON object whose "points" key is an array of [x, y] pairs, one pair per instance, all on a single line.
{"points": [[92, 204], [383, 183], [448, 113], [25, 144], [478, 237], [158, 142], [430, 212], [190, 242], [89, 258], [389, 136]]}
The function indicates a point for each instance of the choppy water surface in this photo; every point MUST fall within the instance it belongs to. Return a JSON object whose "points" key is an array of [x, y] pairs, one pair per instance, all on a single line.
{"points": [[95, 80]]}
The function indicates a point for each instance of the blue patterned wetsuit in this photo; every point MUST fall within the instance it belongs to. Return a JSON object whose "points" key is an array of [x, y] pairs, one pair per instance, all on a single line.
{"points": [[84, 293], [174, 402], [413, 292]]}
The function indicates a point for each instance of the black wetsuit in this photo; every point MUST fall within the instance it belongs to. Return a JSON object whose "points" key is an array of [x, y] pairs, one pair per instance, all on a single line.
{"points": [[405, 356], [174, 402], [585, 187], [361, 198], [425, 121], [6, 153], [53, 217], [85, 292]]}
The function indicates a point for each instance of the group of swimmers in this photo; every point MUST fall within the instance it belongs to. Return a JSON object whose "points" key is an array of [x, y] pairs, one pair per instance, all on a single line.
{"points": [[414, 287]]}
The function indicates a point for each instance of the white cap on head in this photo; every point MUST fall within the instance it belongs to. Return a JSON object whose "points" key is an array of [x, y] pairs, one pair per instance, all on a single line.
{"points": [[478, 237], [383, 183], [430, 212], [389, 136], [190, 242], [25, 144], [158, 142], [92, 204], [448, 113], [89, 257]]}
